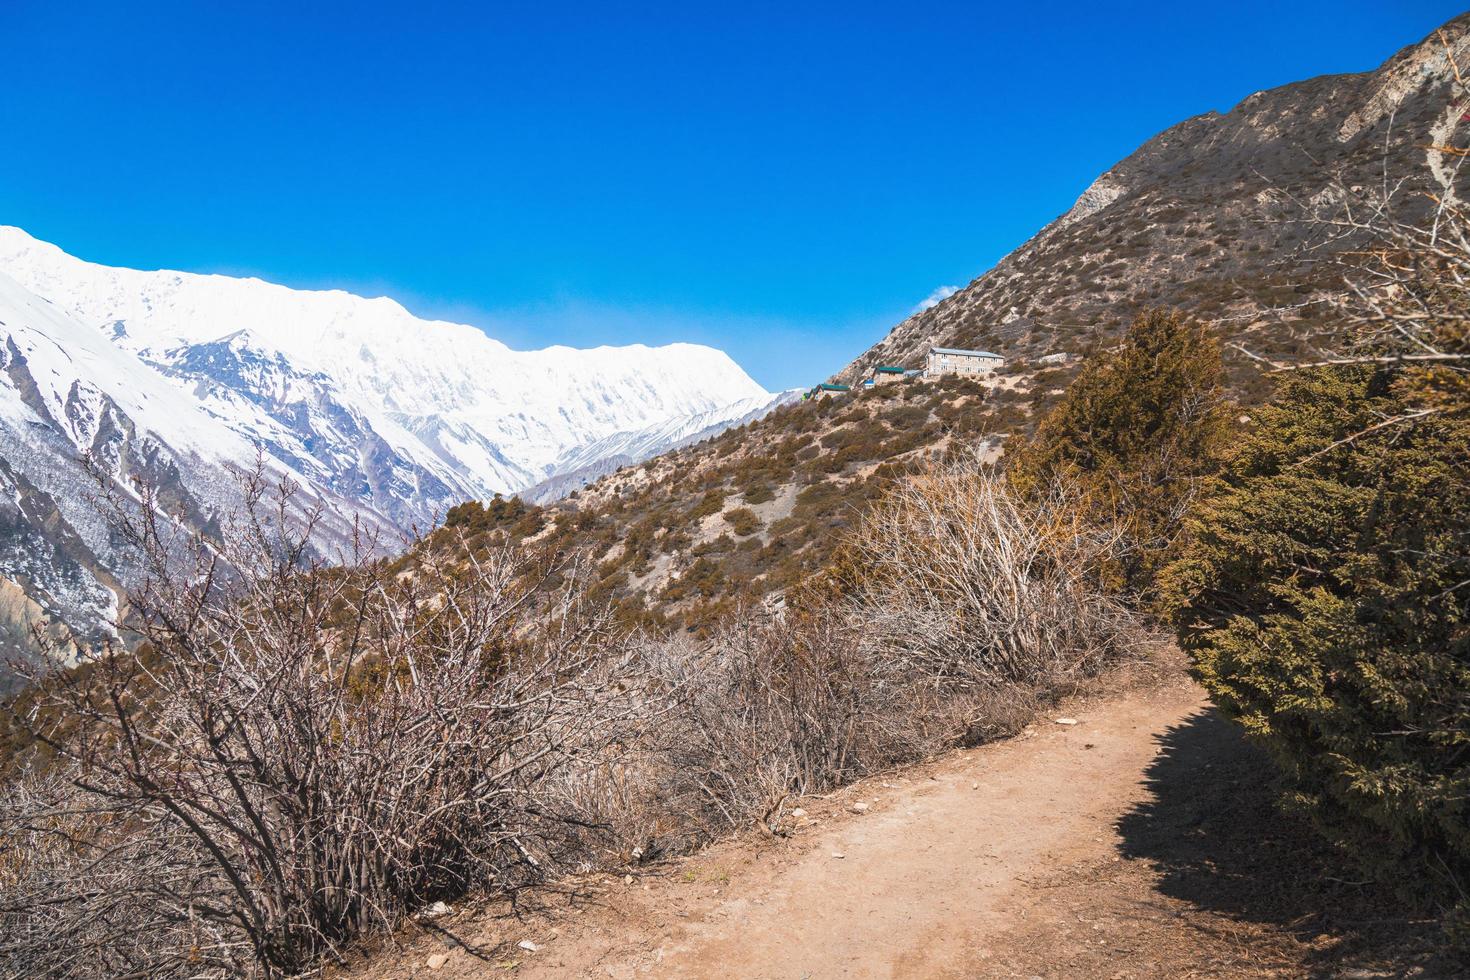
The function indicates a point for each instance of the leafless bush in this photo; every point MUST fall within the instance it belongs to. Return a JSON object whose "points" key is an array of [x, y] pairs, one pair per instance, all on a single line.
{"points": [[766, 709], [775, 708], [1407, 277], [970, 605], [964, 581], [70, 904], [299, 754]]}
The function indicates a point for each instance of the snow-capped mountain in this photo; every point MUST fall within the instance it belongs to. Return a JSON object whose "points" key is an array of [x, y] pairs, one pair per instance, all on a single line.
{"points": [[66, 392], [454, 405], [184, 378], [584, 464]]}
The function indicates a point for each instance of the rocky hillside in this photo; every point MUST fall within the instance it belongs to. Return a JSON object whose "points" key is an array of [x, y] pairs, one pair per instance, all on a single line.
{"points": [[1219, 216], [584, 464], [1215, 216], [691, 535]]}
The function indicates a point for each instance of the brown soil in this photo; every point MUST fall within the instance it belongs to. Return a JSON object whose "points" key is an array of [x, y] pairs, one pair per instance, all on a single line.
{"points": [[1140, 842]]}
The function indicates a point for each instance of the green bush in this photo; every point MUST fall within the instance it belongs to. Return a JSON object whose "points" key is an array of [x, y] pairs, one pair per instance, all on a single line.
{"points": [[818, 498], [710, 503], [1136, 431], [907, 417], [474, 516], [759, 494], [704, 578], [743, 521], [1323, 590]]}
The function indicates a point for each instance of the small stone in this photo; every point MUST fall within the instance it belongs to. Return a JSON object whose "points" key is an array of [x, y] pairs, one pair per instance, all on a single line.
{"points": [[627, 879], [528, 946], [436, 961], [860, 807], [798, 813], [974, 785], [838, 855], [435, 911], [1066, 721]]}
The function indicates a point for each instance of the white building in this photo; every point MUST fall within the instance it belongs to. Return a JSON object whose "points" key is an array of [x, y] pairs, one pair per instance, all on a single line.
{"points": [[952, 360]]}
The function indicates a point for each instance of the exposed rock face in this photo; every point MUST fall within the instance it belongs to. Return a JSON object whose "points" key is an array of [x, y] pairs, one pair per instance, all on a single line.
{"points": [[21, 618], [1212, 215]]}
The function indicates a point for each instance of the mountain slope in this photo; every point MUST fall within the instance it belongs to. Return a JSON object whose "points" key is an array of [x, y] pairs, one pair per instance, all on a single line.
{"points": [[1215, 216], [584, 464]]}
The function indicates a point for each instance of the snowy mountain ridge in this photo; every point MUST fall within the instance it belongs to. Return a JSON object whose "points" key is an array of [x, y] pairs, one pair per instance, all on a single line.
{"points": [[454, 401], [184, 379], [584, 464], [68, 395]]}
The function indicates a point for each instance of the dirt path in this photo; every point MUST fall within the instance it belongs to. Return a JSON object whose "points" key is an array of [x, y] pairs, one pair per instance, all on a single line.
{"points": [[1115, 847], [930, 870]]}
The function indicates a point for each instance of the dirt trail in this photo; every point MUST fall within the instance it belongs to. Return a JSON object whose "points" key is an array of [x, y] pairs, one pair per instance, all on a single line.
{"points": [[1115, 847], [930, 871]]}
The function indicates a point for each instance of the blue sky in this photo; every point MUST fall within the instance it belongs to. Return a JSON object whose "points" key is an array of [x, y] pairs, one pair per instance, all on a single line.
{"points": [[782, 180]]}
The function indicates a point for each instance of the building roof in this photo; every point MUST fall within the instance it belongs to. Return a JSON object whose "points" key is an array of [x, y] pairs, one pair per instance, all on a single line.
{"points": [[826, 387], [887, 369], [965, 353]]}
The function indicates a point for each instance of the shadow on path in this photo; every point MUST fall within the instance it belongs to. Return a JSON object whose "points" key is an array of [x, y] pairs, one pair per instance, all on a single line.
{"points": [[1213, 831]]}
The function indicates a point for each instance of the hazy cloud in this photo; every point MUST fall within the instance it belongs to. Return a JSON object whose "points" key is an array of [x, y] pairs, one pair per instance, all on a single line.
{"points": [[935, 298]]}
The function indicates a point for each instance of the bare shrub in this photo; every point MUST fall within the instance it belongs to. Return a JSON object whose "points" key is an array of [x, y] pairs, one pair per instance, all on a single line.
{"points": [[300, 754], [765, 709], [773, 708], [965, 581], [971, 605], [70, 901], [1402, 246]]}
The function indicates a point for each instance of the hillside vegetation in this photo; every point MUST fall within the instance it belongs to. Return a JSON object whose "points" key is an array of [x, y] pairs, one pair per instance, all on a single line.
{"points": [[304, 755], [1247, 221], [687, 538]]}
